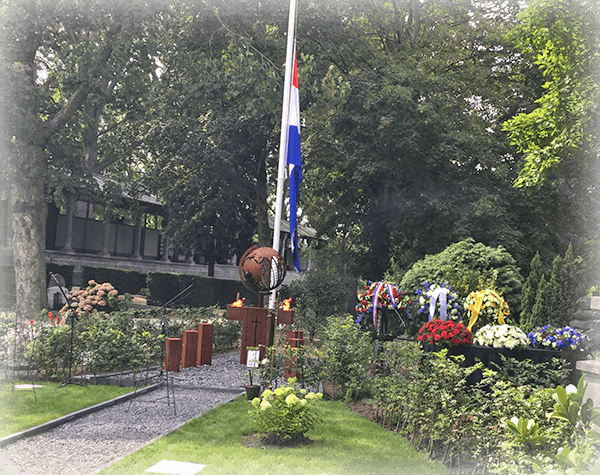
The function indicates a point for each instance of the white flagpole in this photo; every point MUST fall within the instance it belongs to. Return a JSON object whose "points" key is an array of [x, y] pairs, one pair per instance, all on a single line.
{"points": [[283, 140]]}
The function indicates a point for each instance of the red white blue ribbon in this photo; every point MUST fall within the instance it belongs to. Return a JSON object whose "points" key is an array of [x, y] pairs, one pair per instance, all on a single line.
{"points": [[378, 289]]}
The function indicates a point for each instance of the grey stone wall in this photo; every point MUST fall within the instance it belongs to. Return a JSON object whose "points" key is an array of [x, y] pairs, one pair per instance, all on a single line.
{"points": [[586, 318]]}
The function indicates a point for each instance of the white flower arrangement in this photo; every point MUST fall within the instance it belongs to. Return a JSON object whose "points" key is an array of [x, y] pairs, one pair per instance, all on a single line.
{"points": [[501, 336]]}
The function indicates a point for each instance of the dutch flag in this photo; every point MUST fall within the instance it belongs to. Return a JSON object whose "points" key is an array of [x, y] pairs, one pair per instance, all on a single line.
{"points": [[294, 162]]}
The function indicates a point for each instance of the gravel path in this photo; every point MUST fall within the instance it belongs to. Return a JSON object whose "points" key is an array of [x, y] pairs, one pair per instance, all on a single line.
{"points": [[92, 442]]}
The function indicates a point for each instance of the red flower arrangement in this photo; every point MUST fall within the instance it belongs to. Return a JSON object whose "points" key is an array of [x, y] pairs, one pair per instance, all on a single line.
{"points": [[445, 333]]}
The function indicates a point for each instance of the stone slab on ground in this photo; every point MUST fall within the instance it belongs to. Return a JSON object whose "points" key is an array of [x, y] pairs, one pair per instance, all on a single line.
{"points": [[173, 467]]}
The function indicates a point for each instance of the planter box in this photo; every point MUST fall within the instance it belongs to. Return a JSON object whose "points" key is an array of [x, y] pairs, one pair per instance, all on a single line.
{"points": [[490, 356]]}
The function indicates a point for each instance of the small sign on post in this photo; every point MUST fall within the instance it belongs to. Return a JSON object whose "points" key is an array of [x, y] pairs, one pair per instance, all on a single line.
{"points": [[253, 358]]}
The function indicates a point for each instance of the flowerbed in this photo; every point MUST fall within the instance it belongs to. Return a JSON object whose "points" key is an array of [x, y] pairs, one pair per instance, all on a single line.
{"points": [[426, 398]]}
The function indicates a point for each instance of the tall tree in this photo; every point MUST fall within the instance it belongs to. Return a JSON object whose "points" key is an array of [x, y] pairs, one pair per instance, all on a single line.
{"points": [[215, 124], [561, 38], [404, 152], [26, 27]]}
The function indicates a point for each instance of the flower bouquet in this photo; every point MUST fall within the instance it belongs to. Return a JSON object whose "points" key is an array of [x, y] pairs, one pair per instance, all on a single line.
{"points": [[382, 294], [445, 333], [566, 338], [424, 296], [379, 295], [501, 336], [486, 307]]}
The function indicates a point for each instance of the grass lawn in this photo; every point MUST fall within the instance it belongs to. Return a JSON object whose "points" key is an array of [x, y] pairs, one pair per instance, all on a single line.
{"points": [[345, 443], [21, 409]]}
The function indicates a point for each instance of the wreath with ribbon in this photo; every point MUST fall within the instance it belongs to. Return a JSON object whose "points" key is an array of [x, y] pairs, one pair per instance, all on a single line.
{"points": [[379, 295], [488, 305]]}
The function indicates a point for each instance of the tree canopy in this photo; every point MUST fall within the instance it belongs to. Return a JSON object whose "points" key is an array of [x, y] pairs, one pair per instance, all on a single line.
{"points": [[561, 39]]}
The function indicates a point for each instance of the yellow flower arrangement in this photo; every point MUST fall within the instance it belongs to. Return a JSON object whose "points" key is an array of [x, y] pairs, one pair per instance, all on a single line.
{"points": [[486, 307]]}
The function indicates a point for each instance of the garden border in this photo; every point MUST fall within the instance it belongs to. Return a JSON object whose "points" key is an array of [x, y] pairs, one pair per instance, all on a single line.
{"points": [[12, 438]]}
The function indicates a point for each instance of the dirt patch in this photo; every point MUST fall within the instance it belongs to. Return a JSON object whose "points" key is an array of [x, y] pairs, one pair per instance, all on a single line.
{"points": [[364, 409]]}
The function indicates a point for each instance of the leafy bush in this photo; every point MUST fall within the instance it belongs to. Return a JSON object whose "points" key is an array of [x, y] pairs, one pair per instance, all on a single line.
{"points": [[485, 266], [130, 339], [347, 353], [426, 397], [8, 338], [285, 413], [319, 294]]}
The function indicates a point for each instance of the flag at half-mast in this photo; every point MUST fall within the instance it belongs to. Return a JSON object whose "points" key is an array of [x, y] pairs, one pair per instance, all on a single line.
{"points": [[294, 162]]}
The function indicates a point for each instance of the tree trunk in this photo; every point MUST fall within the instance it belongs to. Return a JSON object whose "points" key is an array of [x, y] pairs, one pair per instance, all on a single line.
{"points": [[26, 166]]}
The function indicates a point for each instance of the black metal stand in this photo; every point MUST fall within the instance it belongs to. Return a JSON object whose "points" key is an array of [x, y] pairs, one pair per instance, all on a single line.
{"points": [[73, 318], [70, 380]]}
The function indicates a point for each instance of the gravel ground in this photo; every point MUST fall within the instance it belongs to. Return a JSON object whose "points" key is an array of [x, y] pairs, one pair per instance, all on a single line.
{"points": [[93, 442]]}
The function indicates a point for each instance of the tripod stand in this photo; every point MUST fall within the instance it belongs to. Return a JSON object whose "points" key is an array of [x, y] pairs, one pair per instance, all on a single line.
{"points": [[70, 380], [73, 316]]}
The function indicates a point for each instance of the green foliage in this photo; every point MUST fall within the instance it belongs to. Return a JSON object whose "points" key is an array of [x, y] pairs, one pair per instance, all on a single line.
{"points": [[129, 282], [347, 353], [131, 339], [287, 412], [7, 323], [206, 291], [580, 452], [529, 292], [318, 294], [427, 397], [560, 37], [482, 264], [556, 295], [528, 373], [541, 307]]}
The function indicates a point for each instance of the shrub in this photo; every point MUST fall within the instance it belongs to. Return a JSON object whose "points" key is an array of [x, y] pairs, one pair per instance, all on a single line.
{"points": [[285, 413], [319, 294], [8, 338], [347, 354], [485, 265]]}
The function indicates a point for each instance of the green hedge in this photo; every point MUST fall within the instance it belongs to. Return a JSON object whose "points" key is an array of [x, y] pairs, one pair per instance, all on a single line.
{"points": [[163, 286], [126, 282], [206, 291]]}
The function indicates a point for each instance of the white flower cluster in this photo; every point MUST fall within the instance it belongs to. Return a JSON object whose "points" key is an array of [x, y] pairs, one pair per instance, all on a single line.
{"points": [[501, 336]]}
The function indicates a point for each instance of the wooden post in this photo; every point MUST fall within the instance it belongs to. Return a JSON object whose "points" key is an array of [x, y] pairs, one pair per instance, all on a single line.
{"points": [[190, 348], [173, 354], [205, 344]]}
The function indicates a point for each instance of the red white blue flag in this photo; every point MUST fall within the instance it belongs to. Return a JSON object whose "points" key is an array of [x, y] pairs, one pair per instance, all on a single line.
{"points": [[294, 162]]}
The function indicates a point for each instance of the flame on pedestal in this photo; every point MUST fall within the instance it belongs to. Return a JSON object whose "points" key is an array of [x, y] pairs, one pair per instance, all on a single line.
{"points": [[287, 303], [238, 303]]}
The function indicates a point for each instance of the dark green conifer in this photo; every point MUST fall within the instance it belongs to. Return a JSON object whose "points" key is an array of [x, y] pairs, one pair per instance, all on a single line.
{"points": [[529, 292]]}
